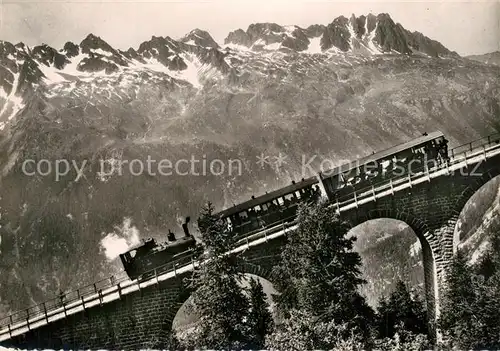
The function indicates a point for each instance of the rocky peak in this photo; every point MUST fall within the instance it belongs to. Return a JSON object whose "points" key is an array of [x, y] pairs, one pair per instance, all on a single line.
{"points": [[337, 35], [359, 25], [258, 29], [259, 35], [158, 45], [200, 38], [21, 47], [7, 49], [371, 22], [101, 56], [131, 54], [420, 43], [94, 43], [315, 30], [70, 49], [49, 56], [368, 34], [238, 37], [390, 36], [163, 49]]}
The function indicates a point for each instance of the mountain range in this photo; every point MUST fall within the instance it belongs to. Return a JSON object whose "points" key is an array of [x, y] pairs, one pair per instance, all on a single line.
{"points": [[23, 68], [331, 92]]}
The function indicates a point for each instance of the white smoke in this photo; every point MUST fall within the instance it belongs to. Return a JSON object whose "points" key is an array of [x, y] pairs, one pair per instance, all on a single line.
{"points": [[180, 220], [120, 240]]}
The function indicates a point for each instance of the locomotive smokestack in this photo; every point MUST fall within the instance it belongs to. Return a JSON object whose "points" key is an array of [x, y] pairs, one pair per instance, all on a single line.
{"points": [[185, 227]]}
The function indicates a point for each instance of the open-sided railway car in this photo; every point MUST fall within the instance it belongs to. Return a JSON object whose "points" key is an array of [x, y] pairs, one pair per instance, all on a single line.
{"points": [[271, 208], [143, 259], [281, 205], [396, 161]]}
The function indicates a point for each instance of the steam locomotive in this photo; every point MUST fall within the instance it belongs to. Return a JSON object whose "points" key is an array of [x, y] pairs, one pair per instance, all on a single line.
{"points": [[280, 206], [141, 261]]}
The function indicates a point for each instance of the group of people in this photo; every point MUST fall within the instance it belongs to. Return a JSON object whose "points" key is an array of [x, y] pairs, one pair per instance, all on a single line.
{"points": [[437, 150]]}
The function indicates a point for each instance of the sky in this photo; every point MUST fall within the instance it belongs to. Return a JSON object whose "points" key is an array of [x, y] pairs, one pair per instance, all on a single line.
{"points": [[471, 27]]}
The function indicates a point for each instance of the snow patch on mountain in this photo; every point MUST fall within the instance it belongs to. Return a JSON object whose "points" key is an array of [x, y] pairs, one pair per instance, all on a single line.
{"points": [[371, 44], [191, 74], [152, 64], [273, 46], [236, 47], [51, 74], [101, 52], [13, 103], [415, 248], [72, 67], [314, 46]]}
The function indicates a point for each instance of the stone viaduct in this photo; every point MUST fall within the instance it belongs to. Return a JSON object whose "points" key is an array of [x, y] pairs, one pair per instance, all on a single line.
{"points": [[142, 316]]}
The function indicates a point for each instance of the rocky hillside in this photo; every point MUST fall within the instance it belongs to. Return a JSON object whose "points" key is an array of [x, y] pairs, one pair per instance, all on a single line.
{"points": [[338, 91], [492, 58]]}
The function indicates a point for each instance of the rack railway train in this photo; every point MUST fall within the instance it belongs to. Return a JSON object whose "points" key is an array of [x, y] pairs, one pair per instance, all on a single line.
{"points": [[280, 206]]}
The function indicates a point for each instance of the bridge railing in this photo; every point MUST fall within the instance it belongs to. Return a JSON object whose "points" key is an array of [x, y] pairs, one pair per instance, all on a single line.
{"points": [[463, 149], [62, 300], [43, 310], [457, 154]]}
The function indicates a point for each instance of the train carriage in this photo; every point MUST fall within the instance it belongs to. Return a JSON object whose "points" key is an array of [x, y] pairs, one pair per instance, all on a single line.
{"points": [[271, 208], [412, 156], [280, 206]]}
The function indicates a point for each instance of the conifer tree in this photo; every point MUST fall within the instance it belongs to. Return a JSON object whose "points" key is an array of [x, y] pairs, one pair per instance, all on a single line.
{"points": [[401, 310], [319, 273], [218, 298], [260, 319], [385, 323], [303, 331], [469, 312], [458, 319], [487, 304]]}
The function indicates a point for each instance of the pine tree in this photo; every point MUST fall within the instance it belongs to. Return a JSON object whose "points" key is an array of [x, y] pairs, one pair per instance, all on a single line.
{"points": [[469, 313], [458, 318], [487, 304], [489, 263], [219, 297], [319, 273], [385, 319], [401, 310], [303, 331], [403, 340], [260, 320]]}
